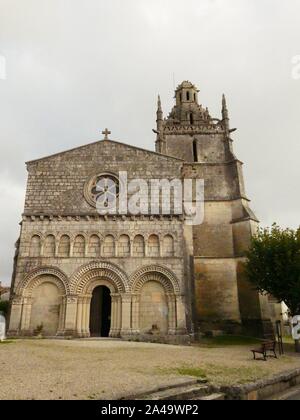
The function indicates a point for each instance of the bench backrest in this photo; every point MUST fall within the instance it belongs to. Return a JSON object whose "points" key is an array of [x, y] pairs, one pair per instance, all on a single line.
{"points": [[269, 345]]}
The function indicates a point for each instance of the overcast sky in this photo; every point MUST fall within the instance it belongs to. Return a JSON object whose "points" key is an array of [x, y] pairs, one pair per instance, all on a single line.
{"points": [[74, 67]]}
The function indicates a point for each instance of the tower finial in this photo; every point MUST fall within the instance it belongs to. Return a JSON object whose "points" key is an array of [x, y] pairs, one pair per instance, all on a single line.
{"points": [[159, 103], [225, 114], [159, 110], [224, 104], [159, 127]]}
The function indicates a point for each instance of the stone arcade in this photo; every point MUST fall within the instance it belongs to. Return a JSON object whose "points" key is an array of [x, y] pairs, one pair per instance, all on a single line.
{"points": [[140, 277]]}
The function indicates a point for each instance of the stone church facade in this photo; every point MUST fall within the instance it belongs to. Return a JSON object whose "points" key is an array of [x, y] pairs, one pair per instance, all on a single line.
{"points": [[142, 277]]}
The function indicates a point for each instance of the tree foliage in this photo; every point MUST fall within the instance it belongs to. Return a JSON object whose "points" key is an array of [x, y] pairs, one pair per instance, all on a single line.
{"points": [[273, 265], [4, 307]]}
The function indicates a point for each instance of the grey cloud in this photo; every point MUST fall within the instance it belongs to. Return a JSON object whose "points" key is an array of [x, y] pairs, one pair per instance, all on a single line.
{"points": [[75, 67]]}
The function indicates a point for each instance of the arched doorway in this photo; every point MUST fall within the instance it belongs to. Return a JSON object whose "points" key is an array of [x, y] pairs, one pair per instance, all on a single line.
{"points": [[100, 312]]}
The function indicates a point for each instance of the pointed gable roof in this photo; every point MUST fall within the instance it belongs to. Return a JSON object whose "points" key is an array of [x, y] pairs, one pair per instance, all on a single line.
{"points": [[102, 142]]}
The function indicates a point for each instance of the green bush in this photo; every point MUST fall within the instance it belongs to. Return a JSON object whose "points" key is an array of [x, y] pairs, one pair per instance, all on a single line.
{"points": [[4, 307]]}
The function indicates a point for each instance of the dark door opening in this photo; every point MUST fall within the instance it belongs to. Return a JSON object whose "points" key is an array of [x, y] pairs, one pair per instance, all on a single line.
{"points": [[100, 316]]}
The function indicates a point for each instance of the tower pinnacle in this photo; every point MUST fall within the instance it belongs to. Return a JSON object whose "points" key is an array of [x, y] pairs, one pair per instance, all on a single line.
{"points": [[159, 128], [159, 110], [225, 115]]}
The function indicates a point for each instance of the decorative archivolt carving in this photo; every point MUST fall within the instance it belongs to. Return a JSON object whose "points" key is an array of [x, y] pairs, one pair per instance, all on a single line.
{"points": [[38, 276], [93, 217], [99, 270], [154, 273]]}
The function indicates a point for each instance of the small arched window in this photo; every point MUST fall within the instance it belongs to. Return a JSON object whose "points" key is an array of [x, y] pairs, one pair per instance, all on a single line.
{"points": [[79, 247], [188, 96], [94, 246], [138, 246], [109, 246], [49, 246], [153, 246], [124, 246], [64, 246], [168, 246], [35, 246]]}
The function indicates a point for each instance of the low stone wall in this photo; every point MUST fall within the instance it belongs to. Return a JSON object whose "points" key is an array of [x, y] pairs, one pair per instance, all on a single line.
{"points": [[263, 389]]}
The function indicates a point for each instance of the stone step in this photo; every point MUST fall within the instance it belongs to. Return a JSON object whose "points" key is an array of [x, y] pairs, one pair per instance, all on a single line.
{"points": [[195, 391], [291, 394], [212, 397]]}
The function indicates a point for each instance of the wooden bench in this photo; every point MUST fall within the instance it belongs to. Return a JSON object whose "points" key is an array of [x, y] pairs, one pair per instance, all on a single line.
{"points": [[266, 348]]}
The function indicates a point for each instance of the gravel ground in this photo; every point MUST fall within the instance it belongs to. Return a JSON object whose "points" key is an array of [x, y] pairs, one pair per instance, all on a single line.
{"points": [[108, 369]]}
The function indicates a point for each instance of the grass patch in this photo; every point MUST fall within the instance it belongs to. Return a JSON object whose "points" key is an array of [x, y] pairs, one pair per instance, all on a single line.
{"points": [[228, 340], [6, 342], [185, 371], [221, 375], [190, 371], [235, 375]]}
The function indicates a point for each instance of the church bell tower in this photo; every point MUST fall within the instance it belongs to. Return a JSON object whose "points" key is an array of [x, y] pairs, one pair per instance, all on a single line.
{"points": [[189, 132], [223, 298]]}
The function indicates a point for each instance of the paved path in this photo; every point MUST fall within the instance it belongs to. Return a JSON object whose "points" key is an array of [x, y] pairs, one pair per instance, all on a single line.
{"points": [[291, 395], [111, 369]]}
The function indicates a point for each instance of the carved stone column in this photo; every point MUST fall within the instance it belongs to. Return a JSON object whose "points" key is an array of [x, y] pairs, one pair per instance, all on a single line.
{"points": [[71, 312], [161, 246], [71, 253], [172, 318], [126, 314], [26, 315], [136, 313], [86, 305], [79, 316], [115, 248], [56, 248], [42, 248], [119, 316], [15, 316], [181, 327], [114, 309], [62, 318]]}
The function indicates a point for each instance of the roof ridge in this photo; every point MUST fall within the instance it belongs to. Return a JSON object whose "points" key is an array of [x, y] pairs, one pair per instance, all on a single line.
{"points": [[103, 141]]}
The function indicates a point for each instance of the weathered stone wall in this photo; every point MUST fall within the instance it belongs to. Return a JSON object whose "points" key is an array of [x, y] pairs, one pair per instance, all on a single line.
{"points": [[101, 229], [153, 309], [180, 146], [211, 148], [217, 299], [45, 309], [56, 184], [62, 233], [221, 180], [191, 275]]}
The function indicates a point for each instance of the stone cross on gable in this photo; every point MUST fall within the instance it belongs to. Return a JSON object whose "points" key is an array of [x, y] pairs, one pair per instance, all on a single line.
{"points": [[106, 133]]}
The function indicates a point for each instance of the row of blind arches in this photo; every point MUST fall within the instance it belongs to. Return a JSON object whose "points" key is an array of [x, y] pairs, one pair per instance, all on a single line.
{"points": [[93, 247]]}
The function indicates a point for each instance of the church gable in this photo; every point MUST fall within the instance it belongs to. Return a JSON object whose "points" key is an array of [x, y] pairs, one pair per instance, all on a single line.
{"points": [[56, 183], [103, 148], [167, 279]]}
